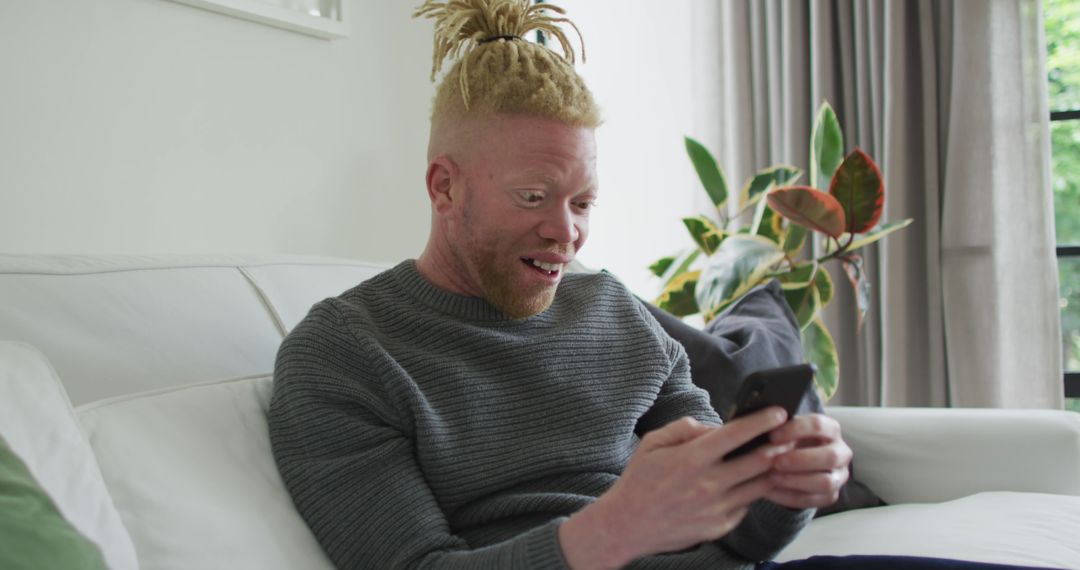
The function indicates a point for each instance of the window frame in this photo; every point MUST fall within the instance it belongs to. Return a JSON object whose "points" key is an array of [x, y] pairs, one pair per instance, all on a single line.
{"points": [[1060, 20], [1071, 378]]}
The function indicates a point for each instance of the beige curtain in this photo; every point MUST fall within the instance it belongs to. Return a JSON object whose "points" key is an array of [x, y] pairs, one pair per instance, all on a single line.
{"points": [[950, 98]]}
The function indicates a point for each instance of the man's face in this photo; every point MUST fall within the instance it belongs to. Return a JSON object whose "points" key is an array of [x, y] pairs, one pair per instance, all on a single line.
{"points": [[522, 210]]}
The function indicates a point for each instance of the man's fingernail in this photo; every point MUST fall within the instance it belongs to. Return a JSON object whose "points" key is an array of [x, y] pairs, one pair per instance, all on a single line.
{"points": [[775, 450], [780, 449]]}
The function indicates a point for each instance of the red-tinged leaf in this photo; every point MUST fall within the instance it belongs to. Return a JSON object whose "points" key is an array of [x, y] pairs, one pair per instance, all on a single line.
{"points": [[857, 186], [809, 208], [861, 287]]}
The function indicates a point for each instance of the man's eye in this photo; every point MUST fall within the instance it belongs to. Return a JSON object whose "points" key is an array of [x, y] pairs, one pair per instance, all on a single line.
{"points": [[585, 206], [531, 197]]}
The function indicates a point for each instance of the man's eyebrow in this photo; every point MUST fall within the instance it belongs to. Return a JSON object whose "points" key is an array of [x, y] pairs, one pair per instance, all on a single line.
{"points": [[533, 175]]}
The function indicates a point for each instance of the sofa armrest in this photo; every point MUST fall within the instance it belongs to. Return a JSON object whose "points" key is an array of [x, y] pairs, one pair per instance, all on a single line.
{"points": [[929, 455]]}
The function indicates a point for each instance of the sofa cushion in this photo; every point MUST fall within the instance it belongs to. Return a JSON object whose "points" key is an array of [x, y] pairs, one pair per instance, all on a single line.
{"points": [[914, 455], [39, 426], [1026, 529], [116, 325], [33, 533], [193, 476], [290, 289]]}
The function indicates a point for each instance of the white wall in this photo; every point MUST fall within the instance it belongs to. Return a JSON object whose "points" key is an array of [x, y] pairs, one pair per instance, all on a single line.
{"points": [[138, 126], [643, 68]]}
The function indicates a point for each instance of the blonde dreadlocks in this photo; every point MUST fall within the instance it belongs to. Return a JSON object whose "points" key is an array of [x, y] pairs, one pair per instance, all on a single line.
{"points": [[497, 71]]}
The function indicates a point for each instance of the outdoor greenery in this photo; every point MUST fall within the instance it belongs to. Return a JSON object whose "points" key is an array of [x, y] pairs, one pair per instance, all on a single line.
{"points": [[1062, 20]]}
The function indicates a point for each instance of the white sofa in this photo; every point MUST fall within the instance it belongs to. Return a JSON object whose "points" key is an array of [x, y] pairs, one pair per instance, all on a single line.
{"points": [[165, 459]]}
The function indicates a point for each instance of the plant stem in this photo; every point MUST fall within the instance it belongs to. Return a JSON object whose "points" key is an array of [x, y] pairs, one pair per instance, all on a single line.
{"points": [[841, 254], [723, 219]]}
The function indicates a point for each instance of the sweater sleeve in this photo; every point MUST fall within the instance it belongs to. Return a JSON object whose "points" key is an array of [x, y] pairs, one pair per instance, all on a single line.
{"points": [[678, 396], [349, 464], [765, 531]]}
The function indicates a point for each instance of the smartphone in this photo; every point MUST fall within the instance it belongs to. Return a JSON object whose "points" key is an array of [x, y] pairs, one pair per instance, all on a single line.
{"points": [[785, 387]]}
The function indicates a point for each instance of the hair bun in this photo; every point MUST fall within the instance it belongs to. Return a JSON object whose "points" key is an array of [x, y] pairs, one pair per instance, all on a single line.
{"points": [[461, 25]]}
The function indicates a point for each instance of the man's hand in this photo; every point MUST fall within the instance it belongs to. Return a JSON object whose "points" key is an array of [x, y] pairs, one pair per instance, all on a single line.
{"points": [[675, 492], [811, 474]]}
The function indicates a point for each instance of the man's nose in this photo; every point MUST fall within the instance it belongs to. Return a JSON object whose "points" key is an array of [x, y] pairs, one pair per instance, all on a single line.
{"points": [[559, 226]]}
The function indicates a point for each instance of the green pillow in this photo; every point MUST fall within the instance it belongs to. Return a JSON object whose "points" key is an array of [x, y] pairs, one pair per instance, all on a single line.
{"points": [[33, 533]]}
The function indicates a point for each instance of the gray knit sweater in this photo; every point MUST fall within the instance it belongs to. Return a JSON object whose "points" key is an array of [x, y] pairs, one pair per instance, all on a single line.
{"points": [[416, 428]]}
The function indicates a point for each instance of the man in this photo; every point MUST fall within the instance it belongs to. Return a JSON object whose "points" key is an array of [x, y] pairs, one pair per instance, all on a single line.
{"points": [[478, 408]]}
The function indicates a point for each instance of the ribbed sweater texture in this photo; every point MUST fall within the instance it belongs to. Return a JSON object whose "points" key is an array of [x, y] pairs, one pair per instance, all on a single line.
{"points": [[416, 428]]}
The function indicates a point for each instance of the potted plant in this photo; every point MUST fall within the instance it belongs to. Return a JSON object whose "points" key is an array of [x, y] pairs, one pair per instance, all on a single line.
{"points": [[840, 210]]}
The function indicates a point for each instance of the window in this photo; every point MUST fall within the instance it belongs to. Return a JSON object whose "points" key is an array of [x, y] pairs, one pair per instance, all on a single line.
{"points": [[1062, 19]]}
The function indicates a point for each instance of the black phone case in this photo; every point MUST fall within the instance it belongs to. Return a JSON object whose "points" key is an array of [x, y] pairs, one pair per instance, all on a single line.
{"points": [[785, 387]]}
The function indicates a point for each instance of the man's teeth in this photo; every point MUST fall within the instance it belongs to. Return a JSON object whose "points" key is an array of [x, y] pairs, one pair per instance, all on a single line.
{"points": [[546, 266]]}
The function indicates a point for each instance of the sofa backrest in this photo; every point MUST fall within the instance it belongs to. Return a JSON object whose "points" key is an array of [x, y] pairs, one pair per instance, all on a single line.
{"points": [[117, 325]]}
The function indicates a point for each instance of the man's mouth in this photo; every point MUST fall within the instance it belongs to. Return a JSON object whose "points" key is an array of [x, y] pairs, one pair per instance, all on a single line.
{"points": [[549, 269]]}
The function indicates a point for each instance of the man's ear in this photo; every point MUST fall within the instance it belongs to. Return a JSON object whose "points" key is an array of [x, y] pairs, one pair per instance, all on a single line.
{"points": [[442, 175]]}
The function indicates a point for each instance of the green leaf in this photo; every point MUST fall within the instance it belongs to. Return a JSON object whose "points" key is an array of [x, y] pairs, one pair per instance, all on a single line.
{"points": [[826, 147], [712, 178], [661, 266], [809, 208], [772, 177], [859, 284], [704, 233], [740, 263], [804, 302], [877, 233], [824, 284], [820, 350], [677, 297], [767, 223], [858, 187], [800, 276], [794, 239], [684, 260]]}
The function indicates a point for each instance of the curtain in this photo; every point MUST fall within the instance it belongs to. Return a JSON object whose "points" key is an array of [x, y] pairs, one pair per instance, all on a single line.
{"points": [[949, 97]]}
